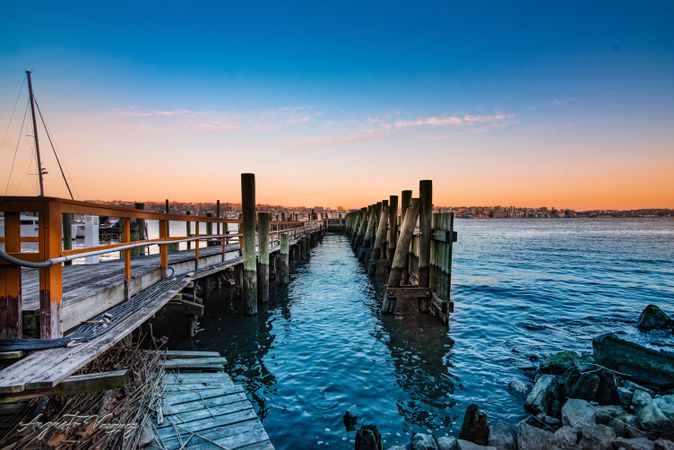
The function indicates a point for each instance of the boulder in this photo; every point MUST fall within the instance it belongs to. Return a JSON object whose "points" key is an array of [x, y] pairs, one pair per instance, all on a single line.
{"points": [[475, 428], [502, 436], [640, 399], [604, 414], [351, 417], [607, 391], [566, 438], [634, 361], [625, 395], [518, 388], [657, 417], [560, 362], [467, 445], [422, 441], [622, 443], [549, 420], [368, 437], [533, 438], [447, 443], [542, 394], [626, 425], [400, 447], [577, 413], [662, 444], [596, 437], [585, 386], [653, 318]]}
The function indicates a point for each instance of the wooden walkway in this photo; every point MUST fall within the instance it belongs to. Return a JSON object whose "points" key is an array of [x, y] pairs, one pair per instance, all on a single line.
{"points": [[201, 408]]}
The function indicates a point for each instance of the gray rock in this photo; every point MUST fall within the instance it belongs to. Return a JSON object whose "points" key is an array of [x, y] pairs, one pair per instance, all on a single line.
{"points": [[532, 438], [549, 420], [566, 438], [605, 413], [622, 443], [560, 362], [369, 438], [399, 447], [585, 387], [475, 428], [351, 417], [577, 413], [636, 362], [640, 399], [596, 437], [502, 436], [422, 441], [542, 394], [658, 416], [663, 444], [447, 443], [467, 445], [626, 425], [625, 396], [653, 318], [518, 388]]}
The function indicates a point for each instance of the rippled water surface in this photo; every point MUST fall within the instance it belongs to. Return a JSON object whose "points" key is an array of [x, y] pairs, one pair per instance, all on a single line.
{"points": [[522, 288]]}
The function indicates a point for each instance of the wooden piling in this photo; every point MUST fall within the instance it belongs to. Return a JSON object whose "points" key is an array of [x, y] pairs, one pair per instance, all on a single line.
{"points": [[284, 260], [402, 251], [188, 229], [249, 262], [380, 235], [392, 237], [366, 246], [67, 234], [425, 219], [263, 220], [138, 231], [406, 199]]}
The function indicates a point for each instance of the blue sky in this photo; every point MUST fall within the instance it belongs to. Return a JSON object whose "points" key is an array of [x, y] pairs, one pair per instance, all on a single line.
{"points": [[519, 88]]}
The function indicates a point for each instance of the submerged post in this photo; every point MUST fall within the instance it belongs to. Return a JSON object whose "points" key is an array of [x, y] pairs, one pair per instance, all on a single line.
{"points": [[249, 263], [425, 218], [284, 260], [402, 251], [263, 220]]}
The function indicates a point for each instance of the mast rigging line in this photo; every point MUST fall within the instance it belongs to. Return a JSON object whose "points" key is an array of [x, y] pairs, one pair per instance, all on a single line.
{"points": [[51, 142], [11, 117], [16, 149]]}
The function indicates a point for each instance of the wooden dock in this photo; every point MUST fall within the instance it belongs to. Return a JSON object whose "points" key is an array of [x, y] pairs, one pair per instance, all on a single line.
{"points": [[201, 408]]}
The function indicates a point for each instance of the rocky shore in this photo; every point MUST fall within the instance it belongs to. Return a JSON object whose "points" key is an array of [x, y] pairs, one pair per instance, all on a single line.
{"points": [[619, 397]]}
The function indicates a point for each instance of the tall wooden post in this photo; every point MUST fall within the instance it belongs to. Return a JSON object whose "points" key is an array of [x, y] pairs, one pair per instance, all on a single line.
{"points": [[217, 214], [249, 262], [402, 251], [406, 200], [263, 220], [369, 232], [380, 235], [140, 231], [163, 248], [188, 229], [11, 325], [51, 288], [284, 260], [425, 219], [392, 237]]}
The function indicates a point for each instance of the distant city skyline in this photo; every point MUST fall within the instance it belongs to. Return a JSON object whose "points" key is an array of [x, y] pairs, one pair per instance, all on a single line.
{"points": [[533, 103]]}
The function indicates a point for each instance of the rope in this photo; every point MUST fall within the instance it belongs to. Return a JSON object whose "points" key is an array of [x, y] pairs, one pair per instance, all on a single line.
{"points": [[53, 147], [16, 149]]}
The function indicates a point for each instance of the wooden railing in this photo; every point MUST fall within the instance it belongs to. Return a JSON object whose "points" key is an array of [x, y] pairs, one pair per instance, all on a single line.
{"points": [[50, 254]]}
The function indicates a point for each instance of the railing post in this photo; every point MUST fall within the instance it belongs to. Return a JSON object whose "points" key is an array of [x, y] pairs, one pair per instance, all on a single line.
{"points": [[425, 218], [125, 231], [163, 248], [51, 288], [188, 229], [11, 325], [196, 246], [263, 220], [249, 262]]}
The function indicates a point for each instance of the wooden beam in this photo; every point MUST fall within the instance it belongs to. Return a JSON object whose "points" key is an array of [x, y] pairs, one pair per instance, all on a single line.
{"points": [[50, 277]]}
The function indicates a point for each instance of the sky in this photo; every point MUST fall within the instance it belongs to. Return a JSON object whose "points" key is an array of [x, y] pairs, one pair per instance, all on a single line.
{"points": [[563, 104]]}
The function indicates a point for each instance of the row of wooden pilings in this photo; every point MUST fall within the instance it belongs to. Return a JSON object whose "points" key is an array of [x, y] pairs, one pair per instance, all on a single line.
{"points": [[412, 251], [257, 255]]}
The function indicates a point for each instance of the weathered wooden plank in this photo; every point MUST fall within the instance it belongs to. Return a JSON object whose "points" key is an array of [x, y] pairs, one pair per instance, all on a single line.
{"points": [[194, 363], [183, 353], [203, 436], [191, 378], [207, 424], [178, 397], [204, 404], [237, 441], [184, 417]]}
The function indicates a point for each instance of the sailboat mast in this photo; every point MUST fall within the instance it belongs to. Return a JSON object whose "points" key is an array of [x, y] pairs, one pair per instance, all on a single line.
{"points": [[37, 140]]}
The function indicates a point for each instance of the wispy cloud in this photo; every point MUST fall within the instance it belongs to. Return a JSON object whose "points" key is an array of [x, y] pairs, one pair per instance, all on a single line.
{"points": [[453, 120], [560, 101]]}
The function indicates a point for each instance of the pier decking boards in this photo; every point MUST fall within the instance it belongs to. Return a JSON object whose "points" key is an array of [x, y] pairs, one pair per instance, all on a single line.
{"points": [[85, 287], [201, 408]]}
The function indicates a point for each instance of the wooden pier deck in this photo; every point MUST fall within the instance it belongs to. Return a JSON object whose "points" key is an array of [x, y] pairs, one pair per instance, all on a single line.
{"points": [[201, 408]]}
